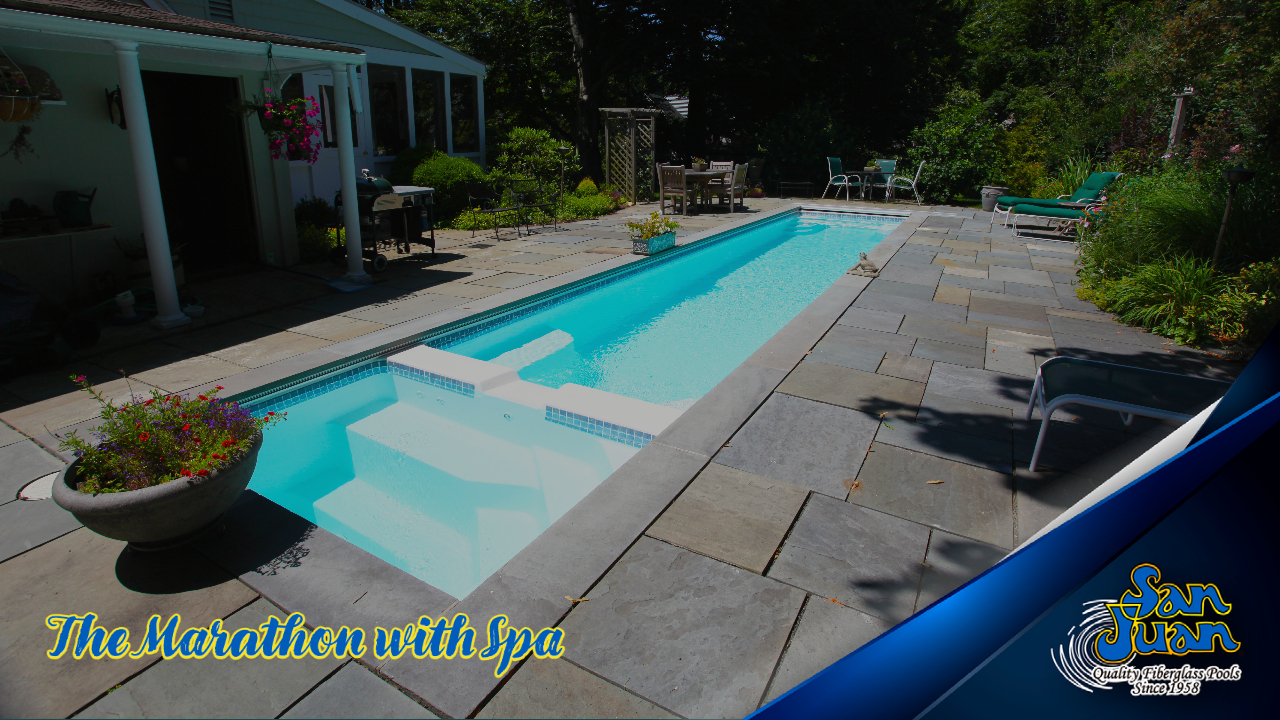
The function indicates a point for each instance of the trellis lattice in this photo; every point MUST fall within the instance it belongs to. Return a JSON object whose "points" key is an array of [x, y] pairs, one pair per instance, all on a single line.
{"points": [[630, 136]]}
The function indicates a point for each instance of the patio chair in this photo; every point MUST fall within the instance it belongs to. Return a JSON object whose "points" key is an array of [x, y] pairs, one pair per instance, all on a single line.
{"points": [[721, 166], [1087, 193], [736, 187], [1128, 390], [672, 184], [837, 178], [487, 201], [884, 179], [1062, 218], [900, 182], [527, 194]]}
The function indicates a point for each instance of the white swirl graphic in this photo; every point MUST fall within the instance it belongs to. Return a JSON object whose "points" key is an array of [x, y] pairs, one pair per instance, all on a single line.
{"points": [[1075, 659]]}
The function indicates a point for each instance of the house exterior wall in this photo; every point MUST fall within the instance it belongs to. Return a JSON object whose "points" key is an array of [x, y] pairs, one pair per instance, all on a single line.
{"points": [[301, 18]]}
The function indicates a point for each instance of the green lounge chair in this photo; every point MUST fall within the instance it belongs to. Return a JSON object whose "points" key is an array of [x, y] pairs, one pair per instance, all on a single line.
{"points": [[835, 171], [1127, 390], [1063, 217], [1089, 192]]}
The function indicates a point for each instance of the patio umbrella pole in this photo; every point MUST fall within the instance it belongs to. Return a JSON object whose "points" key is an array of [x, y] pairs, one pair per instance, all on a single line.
{"points": [[347, 173], [156, 235]]}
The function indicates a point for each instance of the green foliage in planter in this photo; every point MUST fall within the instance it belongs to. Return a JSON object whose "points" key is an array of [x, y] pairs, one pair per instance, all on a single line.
{"points": [[150, 441], [314, 243], [654, 226], [449, 176], [586, 188], [313, 211]]}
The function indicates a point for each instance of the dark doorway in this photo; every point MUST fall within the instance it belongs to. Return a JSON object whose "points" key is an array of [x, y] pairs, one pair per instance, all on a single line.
{"points": [[204, 177]]}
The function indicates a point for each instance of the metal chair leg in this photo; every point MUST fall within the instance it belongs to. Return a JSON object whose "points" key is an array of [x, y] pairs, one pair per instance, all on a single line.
{"points": [[1035, 456]]}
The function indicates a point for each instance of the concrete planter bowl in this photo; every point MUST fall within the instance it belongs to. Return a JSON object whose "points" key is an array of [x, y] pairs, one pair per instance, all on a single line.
{"points": [[654, 245], [161, 515]]}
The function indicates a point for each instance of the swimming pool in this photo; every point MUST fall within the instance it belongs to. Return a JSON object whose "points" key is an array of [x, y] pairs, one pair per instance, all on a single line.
{"points": [[669, 334], [447, 463]]}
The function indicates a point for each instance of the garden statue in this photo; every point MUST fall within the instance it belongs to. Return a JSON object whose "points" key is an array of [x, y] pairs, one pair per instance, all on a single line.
{"points": [[865, 267]]}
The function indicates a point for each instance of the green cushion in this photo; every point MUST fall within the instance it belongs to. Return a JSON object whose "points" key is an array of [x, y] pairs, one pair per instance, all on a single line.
{"points": [[1053, 212], [1009, 200], [1084, 194], [1098, 181]]}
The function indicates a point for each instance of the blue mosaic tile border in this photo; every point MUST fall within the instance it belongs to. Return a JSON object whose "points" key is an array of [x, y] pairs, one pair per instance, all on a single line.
{"points": [[806, 214], [430, 378], [608, 431], [279, 403]]}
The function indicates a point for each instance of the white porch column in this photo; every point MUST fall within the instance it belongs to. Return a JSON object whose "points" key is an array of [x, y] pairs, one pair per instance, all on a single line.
{"points": [[169, 314], [347, 172], [448, 113]]}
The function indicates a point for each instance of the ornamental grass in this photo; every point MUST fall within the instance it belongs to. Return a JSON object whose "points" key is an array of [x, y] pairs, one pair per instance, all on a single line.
{"points": [[151, 441]]}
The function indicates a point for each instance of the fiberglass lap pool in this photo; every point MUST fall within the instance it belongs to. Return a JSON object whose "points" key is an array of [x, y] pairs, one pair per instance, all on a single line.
{"points": [[448, 477]]}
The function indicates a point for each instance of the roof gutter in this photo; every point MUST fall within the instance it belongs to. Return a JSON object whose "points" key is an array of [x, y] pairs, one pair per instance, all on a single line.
{"points": [[98, 30]]}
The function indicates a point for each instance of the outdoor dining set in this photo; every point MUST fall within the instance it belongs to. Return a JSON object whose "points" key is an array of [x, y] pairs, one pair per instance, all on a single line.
{"points": [[882, 175], [725, 181]]}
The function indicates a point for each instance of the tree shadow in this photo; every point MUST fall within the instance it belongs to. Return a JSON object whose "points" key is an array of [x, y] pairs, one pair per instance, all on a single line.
{"points": [[258, 536]]}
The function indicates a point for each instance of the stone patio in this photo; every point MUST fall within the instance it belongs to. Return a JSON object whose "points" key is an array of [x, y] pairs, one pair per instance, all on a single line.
{"points": [[867, 460]]}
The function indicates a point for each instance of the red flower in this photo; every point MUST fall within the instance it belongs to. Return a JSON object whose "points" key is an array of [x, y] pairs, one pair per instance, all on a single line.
{"points": [[202, 397], [197, 441], [137, 426], [149, 401], [228, 443], [219, 388], [269, 412], [202, 473], [186, 427], [144, 437], [185, 473], [79, 378]]}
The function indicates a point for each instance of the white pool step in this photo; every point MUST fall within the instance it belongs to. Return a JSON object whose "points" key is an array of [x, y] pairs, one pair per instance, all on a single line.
{"points": [[587, 409]]}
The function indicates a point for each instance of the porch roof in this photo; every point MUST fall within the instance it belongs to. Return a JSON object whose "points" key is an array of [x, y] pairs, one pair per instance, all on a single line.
{"points": [[138, 16]]}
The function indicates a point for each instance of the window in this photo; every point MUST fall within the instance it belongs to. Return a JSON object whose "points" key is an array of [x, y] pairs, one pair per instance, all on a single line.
{"points": [[428, 108], [389, 108], [221, 11], [292, 88], [330, 131], [466, 116]]}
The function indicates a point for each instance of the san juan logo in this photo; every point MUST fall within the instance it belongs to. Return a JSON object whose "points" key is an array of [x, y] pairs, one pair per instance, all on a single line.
{"points": [[1139, 639]]}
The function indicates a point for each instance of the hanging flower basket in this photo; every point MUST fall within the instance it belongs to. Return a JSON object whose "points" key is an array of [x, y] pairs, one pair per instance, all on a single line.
{"points": [[17, 108], [292, 127]]}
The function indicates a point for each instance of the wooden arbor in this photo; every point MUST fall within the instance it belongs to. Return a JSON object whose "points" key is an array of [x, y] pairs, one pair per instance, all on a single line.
{"points": [[630, 136]]}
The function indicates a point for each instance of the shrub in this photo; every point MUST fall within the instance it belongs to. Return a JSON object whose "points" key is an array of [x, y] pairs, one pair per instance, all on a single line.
{"points": [[313, 211], [406, 162], [315, 243], [449, 176], [1180, 298], [592, 206], [152, 441], [586, 187], [960, 149], [531, 153]]}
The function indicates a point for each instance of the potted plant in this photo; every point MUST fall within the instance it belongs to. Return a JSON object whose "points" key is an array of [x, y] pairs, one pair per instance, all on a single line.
{"points": [[698, 164], [164, 468], [18, 100], [871, 165], [653, 235]]}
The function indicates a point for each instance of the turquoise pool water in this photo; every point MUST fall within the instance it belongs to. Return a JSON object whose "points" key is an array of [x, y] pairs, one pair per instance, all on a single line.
{"points": [[669, 334], [449, 486]]}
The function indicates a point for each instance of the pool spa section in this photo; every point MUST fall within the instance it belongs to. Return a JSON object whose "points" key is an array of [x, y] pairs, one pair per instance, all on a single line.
{"points": [[448, 458]]}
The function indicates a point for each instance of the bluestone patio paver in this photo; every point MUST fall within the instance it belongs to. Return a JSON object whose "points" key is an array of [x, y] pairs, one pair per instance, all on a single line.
{"points": [[84, 572], [864, 558], [1106, 332], [951, 295], [26, 524], [9, 436], [949, 353], [985, 304], [177, 688], [966, 416], [803, 442], [910, 306], [850, 338], [940, 441], [956, 333], [20, 463], [963, 499], [979, 386], [354, 691], [863, 391], [1035, 291], [1025, 276], [952, 561], [871, 319], [913, 275], [1006, 297], [1078, 447], [1045, 494], [328, 327], [965, 272], [906, 367], [903, 289], [826, 632], [560, 689], [507, 280], [731, 515], [722, 411], [186, 374], [969, 282], [409, 308], [693, 635]]}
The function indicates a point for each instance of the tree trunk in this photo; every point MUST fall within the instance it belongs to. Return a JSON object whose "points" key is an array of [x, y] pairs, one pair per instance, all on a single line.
{"points": [[586, 126]]}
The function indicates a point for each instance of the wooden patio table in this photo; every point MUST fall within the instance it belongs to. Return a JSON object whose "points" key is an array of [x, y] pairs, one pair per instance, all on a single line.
{"points": [[700, 178]]}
